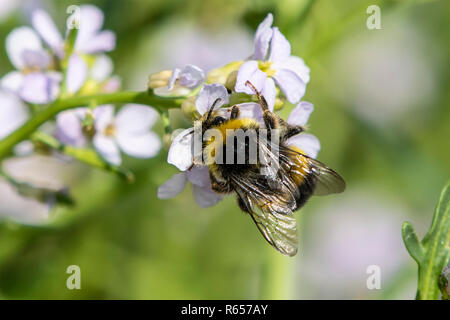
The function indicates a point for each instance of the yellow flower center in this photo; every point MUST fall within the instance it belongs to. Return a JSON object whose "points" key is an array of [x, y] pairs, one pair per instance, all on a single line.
{"points": [[110, 130], [265, 66], [28, 70]]}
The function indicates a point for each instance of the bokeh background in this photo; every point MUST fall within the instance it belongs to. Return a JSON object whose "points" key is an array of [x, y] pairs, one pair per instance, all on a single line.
{"points": [[382, 115]]}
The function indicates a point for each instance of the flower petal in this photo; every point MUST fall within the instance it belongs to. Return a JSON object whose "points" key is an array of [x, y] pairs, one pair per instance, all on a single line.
{"points": [[181, 149], [91, 21], [199, 176], [250, 110], [112, 84], [262, 38], [144, 145], [13, 113], [19, 40], [300, 114], [269, 92], [44, 25], [191, 76], [174, 77], [102, 68], [22, 209], [249, 71], [291, 84], [308, 143], [12, 81], [208, 95], [107, 148], [39, 88], [295, 64], [280, 48], [69, 128], [135, 118], [36, 59], [172, 187], [77, 71], [205, 197], [104, 116], [102, 42]]}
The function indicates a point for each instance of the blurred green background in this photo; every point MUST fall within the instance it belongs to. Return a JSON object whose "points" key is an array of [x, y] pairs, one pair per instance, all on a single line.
{"points": [[382, 115]]}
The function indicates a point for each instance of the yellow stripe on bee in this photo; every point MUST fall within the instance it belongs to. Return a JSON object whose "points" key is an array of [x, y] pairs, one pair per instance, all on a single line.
{"points": [[236, 124], [303, 167]]}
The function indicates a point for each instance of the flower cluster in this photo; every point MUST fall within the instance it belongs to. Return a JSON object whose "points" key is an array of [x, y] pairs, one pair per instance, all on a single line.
{"points": [[52, 69], [270, 65]]}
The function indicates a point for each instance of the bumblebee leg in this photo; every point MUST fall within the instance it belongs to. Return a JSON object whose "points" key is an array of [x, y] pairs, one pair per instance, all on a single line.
{"points": [[220, 187], [234, 112], [291, 131], [270, 120], [262, 101]]}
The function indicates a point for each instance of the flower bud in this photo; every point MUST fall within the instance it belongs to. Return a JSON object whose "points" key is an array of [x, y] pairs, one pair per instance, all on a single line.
{"points": [[220, 75], [231, 80], [159, 79], [279, 104]]}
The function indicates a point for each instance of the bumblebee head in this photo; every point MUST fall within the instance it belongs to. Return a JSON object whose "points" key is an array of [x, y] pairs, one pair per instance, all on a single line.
{"points": [[211, 118]]}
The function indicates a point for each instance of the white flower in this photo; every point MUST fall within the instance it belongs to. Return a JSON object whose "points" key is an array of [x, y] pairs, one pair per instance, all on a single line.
{"points": [[190, 77], [90, 40], [201, 186], [13, 113], [42, 179], [181, 151], [69, 126], [129, 131], [34, 82], [272, 62], [97, 78], [181, 154], [307, 143], [181, 81]]}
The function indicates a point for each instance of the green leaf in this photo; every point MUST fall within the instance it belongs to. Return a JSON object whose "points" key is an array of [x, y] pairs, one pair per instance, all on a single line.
{"points": [[412, 243], [433, 253]]}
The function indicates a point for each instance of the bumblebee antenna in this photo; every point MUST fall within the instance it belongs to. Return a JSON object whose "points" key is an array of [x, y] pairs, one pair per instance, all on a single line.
{"points": [[211, 109], [262, 101]]}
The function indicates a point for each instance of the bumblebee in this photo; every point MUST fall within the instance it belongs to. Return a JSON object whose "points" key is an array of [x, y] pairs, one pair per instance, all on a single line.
{"points": [[270, 197]]}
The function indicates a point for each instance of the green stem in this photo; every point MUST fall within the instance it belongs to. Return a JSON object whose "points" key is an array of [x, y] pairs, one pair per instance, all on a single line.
{"points": [[84, 155], [24, 132], [277, 277]]}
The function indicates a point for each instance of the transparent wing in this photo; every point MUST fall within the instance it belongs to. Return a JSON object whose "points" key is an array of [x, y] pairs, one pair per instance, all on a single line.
{"points": [[271, 214], [326, 180]]}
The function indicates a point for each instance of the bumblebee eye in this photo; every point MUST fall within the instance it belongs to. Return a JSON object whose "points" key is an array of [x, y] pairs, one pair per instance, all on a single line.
{"points": [[218, 121]]}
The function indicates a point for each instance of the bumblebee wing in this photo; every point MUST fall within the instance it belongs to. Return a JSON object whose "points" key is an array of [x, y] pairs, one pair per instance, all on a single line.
{"points": [[326, 180], [271, 214]]}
